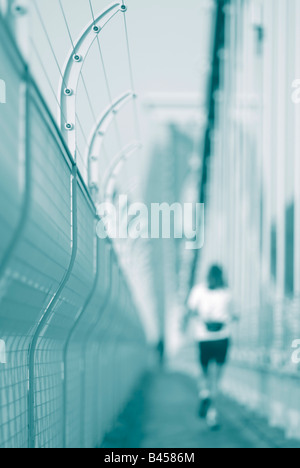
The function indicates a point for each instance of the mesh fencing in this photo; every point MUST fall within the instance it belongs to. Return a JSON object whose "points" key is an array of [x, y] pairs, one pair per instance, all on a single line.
{"points": [[70, 353]]}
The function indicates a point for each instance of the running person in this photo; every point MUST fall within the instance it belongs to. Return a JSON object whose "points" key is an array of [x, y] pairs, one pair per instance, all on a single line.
{"points": [[210, 305]]}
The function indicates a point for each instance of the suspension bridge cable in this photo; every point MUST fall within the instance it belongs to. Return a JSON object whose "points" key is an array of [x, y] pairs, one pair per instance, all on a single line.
{"points": [[92, 11], [56, 61], [131, 74], [130, 67], [49, 40], [88, 97], [129, 54], [118, 134], [82, 130], [83, 81], [81, 74], [67, 24], [74, 51]]}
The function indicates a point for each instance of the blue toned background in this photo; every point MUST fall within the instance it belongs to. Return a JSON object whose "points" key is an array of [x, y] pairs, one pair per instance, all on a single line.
{"points": [[92, 350]]}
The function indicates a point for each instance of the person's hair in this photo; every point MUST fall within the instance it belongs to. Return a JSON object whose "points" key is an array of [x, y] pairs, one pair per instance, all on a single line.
{"points": [[215, 278]]}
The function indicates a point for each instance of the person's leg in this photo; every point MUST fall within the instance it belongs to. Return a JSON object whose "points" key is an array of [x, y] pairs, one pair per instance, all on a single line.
{"points": [[220, 354], [216, 376], [212, 419], [221, 362], [205, 382], [221, 350], [204, 364]]}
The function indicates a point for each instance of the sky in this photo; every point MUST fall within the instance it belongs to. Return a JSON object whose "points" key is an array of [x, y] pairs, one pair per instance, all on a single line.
{"points": [[169, 39]]}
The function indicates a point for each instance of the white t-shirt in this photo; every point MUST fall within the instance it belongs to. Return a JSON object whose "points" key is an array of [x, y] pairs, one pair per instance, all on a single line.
{"points": [[211, 305]]}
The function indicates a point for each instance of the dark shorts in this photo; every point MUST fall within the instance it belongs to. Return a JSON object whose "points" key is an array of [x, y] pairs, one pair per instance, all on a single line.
{"points": [[213, 351]]}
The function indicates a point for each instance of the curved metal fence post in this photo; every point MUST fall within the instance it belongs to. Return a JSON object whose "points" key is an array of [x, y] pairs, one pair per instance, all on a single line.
{"points": [[48, 311], [118, 160], [72, 331], [102, 310], [72, 70], [98, 133]]}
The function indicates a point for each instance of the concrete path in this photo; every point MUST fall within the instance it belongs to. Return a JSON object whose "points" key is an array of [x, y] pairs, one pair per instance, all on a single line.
{"points": [[163, 414]]}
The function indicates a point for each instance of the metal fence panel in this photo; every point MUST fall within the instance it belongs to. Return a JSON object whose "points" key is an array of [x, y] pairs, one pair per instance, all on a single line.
{"points": [[62, 302]]}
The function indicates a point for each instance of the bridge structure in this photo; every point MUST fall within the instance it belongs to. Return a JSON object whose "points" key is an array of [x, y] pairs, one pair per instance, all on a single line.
{"points": [[81, 316]]}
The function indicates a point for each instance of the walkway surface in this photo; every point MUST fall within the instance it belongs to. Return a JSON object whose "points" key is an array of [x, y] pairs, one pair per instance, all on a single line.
{"points": [[163, 414]]}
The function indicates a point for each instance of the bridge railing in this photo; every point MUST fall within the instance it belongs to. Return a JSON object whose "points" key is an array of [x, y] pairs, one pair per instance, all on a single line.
{"points": [[264, 369]]}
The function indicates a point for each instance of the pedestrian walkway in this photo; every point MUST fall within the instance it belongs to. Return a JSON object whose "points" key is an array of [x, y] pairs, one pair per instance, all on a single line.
{"points": [[163, 414]]}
